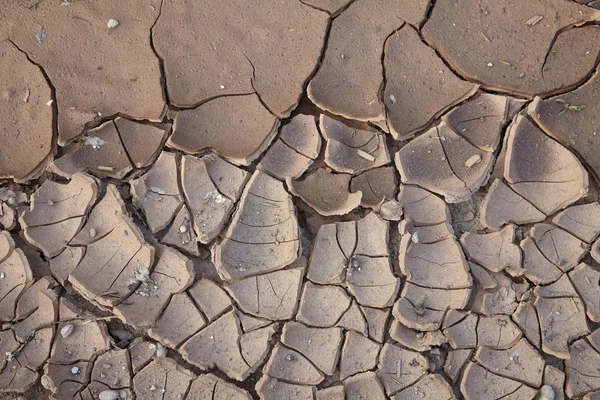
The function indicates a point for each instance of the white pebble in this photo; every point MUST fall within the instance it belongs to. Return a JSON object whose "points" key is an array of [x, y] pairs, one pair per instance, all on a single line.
{"points": [[108, 395], [2, 275], [474, 159], [183, 229], [490, 65], [153, 387], [67, 330], [75, 370], [112, 23], [546, 393], [92, 233]]}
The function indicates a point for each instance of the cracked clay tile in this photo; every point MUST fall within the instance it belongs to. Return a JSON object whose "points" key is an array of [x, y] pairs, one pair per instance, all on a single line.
{"points": [[432, 386], [494, 251], [272, 389], [581, 368], [400, 368], [377, 186], [7, 244], [322, 306], [179, 321], [479, 383], [263, 234], [502, 205], [62, 383], [141, 354], [555, 378], [211, 186], [273, 296], [373, 236], [162, 379], [217, 345], [526, 319], [455, 361], [354, 320], [460, 328], [359, 354], [289, 365], [520, 362], [586, 280], [541, 169], [349, 79], [247, 50], [321, 346], [376, 321], [337, 200], [250, 323], [256, 345], [481, 41], [372, 281], [172, 273], [328, 259], [561, 319], [483, 277], [331, 393], [440, 265], [181, 234], [418, 86], [113, 369], [237, 136], [89, 86], [142, 142], [558, 246], [17, 277], [582, 221], [210, 298], [27, 138], [352, 146], [422, 207], [298, 145], [364, 385], [570, 118], [113, 266], [480, 119], [416, 340], [536, 267], [497, 332], [211, 387], [156, 192], [63, 264]]}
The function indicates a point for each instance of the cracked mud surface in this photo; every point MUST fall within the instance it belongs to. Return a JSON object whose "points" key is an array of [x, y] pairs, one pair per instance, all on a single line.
{"points": [[315, 199]]}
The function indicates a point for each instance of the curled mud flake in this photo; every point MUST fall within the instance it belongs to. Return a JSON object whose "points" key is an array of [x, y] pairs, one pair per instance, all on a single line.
{"points": [[541, 170], [378, 187], [526, 319], [359, 354], [351, 146], [558, 246], [422, 207], [349, 79], [399, 367], [329, 261], [353, 320], [455, 361], [272, 389], [543, 64], [432, 386], [206, 385], [364, 385], [460, 328], [536, 267], [210, 298], [582, 221], [180, 320], [217, 346], [581, 368], [502, 206], [322, 306], [416, 340], [263, 235], [479, 383], [298, 145], [439, 165], [26, 126], [289, 365], [165, 376], [497, 332], [373, 284], [337, 200], [207, 128], [494, 251], [413, 68], [156, 192], [586, 280], [273, 296]]}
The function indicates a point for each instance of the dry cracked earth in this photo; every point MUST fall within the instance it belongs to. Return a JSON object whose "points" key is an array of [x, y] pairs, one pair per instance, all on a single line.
{"points": [[316, 199]]}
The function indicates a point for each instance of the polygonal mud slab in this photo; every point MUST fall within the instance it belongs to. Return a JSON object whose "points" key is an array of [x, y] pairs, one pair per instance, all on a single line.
{"points": [[558, 246], [210, 387], [27, 115], [432, 386], [57, 212], [299, 143], [416, 340], [211, 187], [272, 54], [273, 389], [364, 385], [582, 369], [582, 221], [162, 379], [461, 329], [377, 187], [350, 76], [400, 368], [322, 306], [17, 274], [479, 383], [181, 234], [494, 251], [359, 354], [263, 235], [178, 322], [413, 73], [586, 280], [482, 41], [455, 361], [130, 78], [445, 163], [156, 192], [352, 146], [290, 365], [210, 298], [541, 170], [208, 128], [336, 200]]}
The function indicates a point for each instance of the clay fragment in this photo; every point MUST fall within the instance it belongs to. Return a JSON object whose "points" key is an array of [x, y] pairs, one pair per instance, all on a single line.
{"points": [[142, 142], [378, 187], [209, 387], [502, 205], [494, 251], [586, 280], [582, 221], [17, 274], [412, 67], [479, 383], [359, 354], [526, 319], [497, 332], [181, 234], [210, 298], [377, 322], [179, 321], [455, 362], [364, 385], [400, 368], [331, 393], [263, 235], [336, 200], [287, 364], [416, 340], [555, 379], [431, 386], [322, 306], [581, 367], [273, 389], [461, 329], [319, 345], [558, 246], [354, 320], [163, 375]]}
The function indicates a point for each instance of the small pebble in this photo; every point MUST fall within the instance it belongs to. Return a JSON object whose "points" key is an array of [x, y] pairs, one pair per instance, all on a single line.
{"points": [[2, 275], [392, 98], [153, 388], [490, 65], [546, 393], [108, 395], [161, 351], [473, 160], [112, 23], [92, 233], [50, 202], [183, 229], [67, 330], [123, 394], [75, 370]]}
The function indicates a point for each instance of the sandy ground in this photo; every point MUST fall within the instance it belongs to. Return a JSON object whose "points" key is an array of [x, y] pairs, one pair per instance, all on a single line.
{"points": [[317, 199]]}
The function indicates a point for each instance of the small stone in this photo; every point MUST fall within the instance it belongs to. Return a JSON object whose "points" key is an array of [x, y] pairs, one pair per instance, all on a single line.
{"points": [[123, 394], [108, 395], [47, 382], [112, 23], [183, 229], [161, 351], [153, 387], [50, 202], [473, 160], [67, 330], [546, 393], [2, 275], [93, 233], [75, 370]]}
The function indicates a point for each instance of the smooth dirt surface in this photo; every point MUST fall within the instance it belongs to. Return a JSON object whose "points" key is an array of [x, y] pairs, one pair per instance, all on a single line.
{"points": [[305, 199]]}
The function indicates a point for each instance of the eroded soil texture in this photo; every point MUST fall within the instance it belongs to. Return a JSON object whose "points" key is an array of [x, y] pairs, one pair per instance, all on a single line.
{"points": [[299, 199]]}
